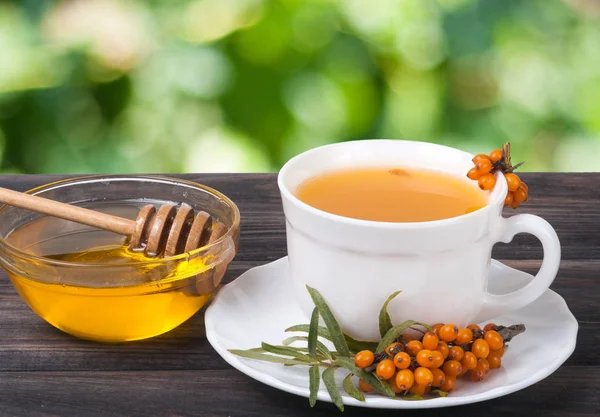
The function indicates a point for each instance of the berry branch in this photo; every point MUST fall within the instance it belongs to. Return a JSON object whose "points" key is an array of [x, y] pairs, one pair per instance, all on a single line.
{"points": [[399, 365]]}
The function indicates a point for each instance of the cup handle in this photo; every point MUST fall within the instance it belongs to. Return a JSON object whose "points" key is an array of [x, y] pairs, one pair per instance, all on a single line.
{"points": [[495, 305]]}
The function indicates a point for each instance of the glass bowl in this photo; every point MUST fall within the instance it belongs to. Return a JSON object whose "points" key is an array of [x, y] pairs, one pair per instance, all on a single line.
{"points": [[134, 298]]}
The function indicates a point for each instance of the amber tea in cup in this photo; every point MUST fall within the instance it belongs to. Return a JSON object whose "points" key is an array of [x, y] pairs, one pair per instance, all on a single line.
{"points": [[391, 195]]}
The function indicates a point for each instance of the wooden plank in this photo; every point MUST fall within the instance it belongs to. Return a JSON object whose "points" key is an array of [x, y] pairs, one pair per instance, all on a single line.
{"points": [[35, 345], [570, 391], [555, 197]]}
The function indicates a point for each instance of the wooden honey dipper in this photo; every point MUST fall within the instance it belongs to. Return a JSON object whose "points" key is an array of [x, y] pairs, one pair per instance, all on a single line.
{"points": [[167, 231]]}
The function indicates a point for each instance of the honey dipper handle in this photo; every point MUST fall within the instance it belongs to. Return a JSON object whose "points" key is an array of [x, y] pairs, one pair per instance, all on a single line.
{"points": [[67, 211]]}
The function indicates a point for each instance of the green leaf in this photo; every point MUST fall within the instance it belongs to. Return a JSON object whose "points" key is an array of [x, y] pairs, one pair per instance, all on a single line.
{"points": [[439, 392], [321, 348], [385, 322], [313, 333], [335, 331], [395, 331], [265, 357], [332, 388], [351, 389], [258, 349], [354, 344], [287, 351], [412, 397], [369, 378], [314, 382]]}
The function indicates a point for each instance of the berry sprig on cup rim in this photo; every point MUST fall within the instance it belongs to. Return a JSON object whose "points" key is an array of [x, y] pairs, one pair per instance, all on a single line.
{"points": [[499, 160]]}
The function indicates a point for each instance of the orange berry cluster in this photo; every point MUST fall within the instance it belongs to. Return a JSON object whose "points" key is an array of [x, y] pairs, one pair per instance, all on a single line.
{"points": [[499, 160], [435, 360]]}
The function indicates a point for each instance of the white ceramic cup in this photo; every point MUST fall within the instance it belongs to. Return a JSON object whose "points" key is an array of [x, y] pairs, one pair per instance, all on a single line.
{"points": [[441, 266]]}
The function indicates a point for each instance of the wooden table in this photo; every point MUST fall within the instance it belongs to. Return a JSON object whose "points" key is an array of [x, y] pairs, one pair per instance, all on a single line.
{"points": [[46, 372]]}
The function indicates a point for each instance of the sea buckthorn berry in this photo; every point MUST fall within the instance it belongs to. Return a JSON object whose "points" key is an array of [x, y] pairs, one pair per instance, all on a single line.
{"points": [[438, 358], [464, 335], [477, 375], [413, 347], [364, 387], [452, 368], [520, 196], [489, 326], [386, 369], [480, 349], [395, 346], [407, 337], [469, 361], [515, 204], [473, 327], [479, 157], [463, 372], [456, 353], [418, 389], [495, 359], [483, 364], [436, 327], [405, 379], [364, 359], [484, 166], [395, 387], [494, 339], [423, 376], [438, 378], [448, 332], [430, 341], [496, 155], [443, 349], [524, 186], [402, 360], [512, 181], [509, 199], [500, 351], [474, 174], [449, 383], [487, 182], [425, 358]]}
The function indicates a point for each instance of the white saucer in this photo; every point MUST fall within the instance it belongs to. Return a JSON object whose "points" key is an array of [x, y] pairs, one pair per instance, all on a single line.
{"points": [[259, 305]]}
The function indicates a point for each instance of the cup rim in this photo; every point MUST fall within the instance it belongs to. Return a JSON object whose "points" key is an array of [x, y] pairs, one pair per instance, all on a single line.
{"points": [[495, 198], [79, 180]]}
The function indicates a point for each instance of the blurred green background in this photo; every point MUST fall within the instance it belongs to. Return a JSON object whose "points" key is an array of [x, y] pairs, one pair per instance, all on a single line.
{"points": [[110, 86]]}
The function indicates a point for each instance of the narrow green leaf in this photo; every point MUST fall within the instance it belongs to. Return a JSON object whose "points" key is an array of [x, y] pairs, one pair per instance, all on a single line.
{"points": [[351, 389], [354, 344], [313, 333], [395, 331], [288, 341], [385, 322], [265, 357], [335, 331], [369, 378], [287, 351], [439, 392], [412, 397], [314, 382], [258, 349], [321, 348], [332, 388]]}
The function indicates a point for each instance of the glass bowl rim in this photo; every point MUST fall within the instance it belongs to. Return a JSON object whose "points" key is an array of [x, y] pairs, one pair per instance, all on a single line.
{"points": [[79, 180]]}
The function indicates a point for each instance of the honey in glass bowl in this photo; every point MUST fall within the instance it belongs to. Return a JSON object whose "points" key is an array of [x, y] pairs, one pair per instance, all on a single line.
{"points": [[86, 281]]}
